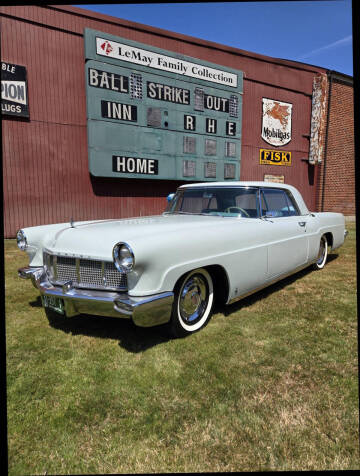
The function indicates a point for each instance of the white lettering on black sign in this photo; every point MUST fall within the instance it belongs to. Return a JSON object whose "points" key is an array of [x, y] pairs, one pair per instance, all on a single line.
{"points": [[116, 110], [216, 103], [230, 128], [189, 123], [106, 80], [135, 165], [14, 98], [211, 126], [163, 92]]}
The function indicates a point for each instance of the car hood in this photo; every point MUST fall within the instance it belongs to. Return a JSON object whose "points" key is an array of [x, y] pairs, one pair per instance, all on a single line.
{"points": [[96, 239]]}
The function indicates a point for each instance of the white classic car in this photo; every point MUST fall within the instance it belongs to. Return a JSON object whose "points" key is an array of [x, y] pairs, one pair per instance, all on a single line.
{"points": [[215, 240]]}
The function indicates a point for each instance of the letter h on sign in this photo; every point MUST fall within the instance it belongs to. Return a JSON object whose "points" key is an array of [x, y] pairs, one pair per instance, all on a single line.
{"points": [[211, 126]]}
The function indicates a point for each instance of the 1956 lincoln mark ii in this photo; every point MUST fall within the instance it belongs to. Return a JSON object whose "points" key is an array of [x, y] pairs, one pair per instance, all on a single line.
{"points": [[214, 240]]}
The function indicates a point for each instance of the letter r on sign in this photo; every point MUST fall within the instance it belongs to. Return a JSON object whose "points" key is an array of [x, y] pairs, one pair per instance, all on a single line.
{"points": [[189, 123]]}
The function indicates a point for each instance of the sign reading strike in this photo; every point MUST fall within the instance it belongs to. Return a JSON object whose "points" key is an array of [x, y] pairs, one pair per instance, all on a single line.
{"points": [[14, 97], [120, 51]]}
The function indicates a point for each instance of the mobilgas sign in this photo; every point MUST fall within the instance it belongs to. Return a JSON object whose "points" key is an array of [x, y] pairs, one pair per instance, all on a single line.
{"points": [[153, 114], [276, 122], [14, 95]]}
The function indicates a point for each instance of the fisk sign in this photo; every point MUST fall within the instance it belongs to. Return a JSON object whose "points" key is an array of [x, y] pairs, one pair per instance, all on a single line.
{"points": [[275, 157]]}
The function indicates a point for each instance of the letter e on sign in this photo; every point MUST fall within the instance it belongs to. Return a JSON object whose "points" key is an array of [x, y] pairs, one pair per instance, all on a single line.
{"points": [[230, 128]]}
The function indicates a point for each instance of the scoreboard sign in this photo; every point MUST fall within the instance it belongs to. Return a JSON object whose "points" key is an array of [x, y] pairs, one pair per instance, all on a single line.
{"points": [[160, 115]]}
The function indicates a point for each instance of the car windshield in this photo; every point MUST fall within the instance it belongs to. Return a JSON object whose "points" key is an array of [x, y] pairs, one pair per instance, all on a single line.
{"points": [[218, 201]]}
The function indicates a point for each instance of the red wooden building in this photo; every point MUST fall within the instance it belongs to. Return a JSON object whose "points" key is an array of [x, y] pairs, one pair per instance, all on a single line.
{"points": [[45, 151]]}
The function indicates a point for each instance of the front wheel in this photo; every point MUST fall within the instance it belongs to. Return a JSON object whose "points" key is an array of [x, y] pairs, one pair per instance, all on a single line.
{"points": [[323, 253], [194, 297]]}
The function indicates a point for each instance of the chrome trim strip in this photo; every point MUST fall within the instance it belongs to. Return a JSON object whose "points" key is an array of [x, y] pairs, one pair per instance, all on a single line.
{"points": [[77, 264], [270, 282], [26, 273], [55, 266], [103, 273]]}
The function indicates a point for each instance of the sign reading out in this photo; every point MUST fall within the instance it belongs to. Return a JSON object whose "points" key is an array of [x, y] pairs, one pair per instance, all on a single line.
{"points": [[14, 95], [153, 114]]}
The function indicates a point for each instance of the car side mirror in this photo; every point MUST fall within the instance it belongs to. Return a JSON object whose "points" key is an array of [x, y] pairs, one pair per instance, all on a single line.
{"points": [[170, 197]]}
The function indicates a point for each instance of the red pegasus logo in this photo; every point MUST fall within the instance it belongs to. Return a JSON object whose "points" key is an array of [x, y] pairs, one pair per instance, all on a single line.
{"points": [[107, 47]]}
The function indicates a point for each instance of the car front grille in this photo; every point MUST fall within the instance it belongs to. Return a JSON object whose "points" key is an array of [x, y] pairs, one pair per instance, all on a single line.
{"points": [[84, 273]]}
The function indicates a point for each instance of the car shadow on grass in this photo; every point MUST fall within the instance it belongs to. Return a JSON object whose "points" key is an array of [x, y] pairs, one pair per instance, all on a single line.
{"points": [[263, 293], [138, 339], [131, 337]]}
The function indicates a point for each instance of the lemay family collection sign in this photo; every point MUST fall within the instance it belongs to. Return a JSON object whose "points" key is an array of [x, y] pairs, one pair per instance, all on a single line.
{"points": [[156, 114]]}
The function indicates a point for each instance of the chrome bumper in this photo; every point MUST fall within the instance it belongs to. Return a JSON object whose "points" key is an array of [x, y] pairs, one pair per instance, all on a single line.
{"points": [[145, 311]]}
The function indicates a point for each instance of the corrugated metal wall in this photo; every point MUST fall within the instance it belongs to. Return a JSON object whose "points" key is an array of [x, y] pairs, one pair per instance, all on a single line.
{"points": [[300, 173], [45, 163]]}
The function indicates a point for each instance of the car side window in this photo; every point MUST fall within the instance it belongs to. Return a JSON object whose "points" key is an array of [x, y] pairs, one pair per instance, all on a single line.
{"points": [[247, 200], [277, 203], [197, 201], [293, 209]]}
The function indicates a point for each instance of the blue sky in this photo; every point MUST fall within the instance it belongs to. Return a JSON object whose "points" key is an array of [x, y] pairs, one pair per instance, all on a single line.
{"points": [[315, 32]]}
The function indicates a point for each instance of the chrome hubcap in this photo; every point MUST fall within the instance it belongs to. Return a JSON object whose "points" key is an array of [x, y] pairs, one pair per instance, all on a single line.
{"points": [[321, 254], [193, 299]]}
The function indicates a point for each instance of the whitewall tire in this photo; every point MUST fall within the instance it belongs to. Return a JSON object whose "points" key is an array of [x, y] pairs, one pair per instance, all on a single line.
{"points": [[323, 253], [192, 308]]}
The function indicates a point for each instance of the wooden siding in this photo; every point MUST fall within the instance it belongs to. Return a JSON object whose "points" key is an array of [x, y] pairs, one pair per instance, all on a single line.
{"points": [[45, 163]]}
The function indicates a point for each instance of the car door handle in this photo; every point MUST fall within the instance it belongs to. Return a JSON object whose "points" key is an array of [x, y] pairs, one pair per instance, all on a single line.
{"points": [[302, 223]]}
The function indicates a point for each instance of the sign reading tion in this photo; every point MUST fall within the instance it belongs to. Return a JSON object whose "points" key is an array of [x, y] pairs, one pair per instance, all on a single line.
{"points": [[14, 96]]}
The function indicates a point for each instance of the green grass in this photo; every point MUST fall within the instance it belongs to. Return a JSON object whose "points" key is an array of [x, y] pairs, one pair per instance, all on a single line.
{"points": [[270, 384]]}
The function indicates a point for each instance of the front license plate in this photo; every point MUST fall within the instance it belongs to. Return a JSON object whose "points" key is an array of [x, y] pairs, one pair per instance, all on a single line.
{"points": [[54, 303]]}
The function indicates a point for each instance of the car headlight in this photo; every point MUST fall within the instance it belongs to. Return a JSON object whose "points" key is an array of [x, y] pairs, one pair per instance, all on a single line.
{"points": [[123, 256], [21, 240]]}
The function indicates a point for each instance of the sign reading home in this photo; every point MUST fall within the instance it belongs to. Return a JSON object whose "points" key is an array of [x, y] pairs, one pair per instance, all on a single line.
{"points": [[275, 157], [14, 95], [135, 165], [276, 122], [156, 114]]}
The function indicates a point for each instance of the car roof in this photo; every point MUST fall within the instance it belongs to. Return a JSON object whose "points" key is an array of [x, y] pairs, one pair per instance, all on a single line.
{"points": [[296, 194], [235, 183]]}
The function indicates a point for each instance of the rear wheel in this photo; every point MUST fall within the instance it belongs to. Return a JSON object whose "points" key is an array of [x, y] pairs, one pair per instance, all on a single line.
{"points": [[192, 308], [323, 253]]}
